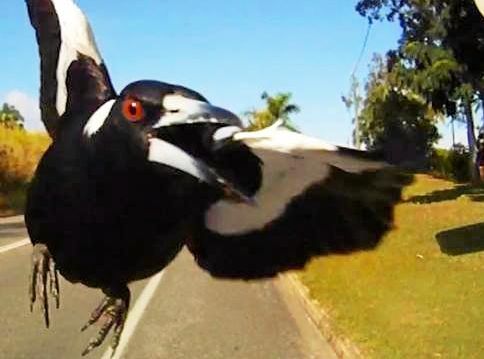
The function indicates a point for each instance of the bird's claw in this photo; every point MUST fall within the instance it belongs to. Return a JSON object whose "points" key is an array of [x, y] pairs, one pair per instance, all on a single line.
{"points": [[115, 310], [43, 275]]}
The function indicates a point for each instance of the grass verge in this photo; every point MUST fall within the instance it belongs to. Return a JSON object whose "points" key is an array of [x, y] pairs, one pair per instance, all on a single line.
{"points": [[421, 293]]}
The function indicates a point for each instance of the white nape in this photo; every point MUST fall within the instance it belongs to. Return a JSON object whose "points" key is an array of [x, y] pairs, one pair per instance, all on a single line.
{"points": [[98, 118], [179, 108], [292, 163], [177, 102], [76, 37], [183, 110]]}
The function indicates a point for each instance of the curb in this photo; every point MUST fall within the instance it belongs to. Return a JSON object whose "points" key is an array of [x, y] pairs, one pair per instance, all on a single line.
{"points": [[341, 346], [11, 219]]}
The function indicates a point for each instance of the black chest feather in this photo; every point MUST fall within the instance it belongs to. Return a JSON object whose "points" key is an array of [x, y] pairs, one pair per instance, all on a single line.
{"points": [[110, 216]]}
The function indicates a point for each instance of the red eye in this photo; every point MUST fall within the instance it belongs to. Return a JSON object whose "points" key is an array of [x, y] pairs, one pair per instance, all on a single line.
{"points": [[133, 110]]}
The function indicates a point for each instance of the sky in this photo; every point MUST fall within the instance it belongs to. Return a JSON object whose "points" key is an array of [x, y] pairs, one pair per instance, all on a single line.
{"points": [[229, 51]]}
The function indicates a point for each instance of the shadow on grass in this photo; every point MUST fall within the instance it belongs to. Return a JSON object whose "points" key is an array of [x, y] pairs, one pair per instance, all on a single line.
{"points": [[462, 240], [475, 193], [478, 198]]}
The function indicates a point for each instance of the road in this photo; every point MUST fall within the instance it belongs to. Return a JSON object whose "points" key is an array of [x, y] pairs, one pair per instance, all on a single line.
{"points": [[180, 313]]}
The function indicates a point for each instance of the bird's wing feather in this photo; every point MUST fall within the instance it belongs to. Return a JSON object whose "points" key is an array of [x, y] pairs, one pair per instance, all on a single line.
{"points": [[73, 74], [315, 199]]}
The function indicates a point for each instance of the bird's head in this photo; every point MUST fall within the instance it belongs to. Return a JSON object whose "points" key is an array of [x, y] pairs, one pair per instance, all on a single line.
{"points": [[149, 125], [146, 106], [163, 125]]}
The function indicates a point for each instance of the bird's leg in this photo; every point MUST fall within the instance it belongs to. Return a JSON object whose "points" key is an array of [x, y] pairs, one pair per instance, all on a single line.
{"points": [[43, 275], [115, 308]]}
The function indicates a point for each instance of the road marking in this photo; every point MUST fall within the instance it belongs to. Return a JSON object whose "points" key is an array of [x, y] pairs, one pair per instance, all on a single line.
{"points": [[134, 316], [11, 246]]}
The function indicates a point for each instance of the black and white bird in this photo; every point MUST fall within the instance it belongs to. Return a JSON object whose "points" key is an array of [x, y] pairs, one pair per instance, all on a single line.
{"points": [[131, 178]]}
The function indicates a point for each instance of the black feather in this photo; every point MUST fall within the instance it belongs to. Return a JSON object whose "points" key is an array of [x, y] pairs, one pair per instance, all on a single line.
{"points": [[345, 213]]}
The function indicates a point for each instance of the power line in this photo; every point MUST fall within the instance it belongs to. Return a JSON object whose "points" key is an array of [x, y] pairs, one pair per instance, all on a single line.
{"points": [[356, 134], [363, 49]]}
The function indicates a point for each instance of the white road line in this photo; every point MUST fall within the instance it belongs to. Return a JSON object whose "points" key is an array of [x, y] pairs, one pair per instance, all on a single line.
{"points": [[135, 316], [11, 246]]}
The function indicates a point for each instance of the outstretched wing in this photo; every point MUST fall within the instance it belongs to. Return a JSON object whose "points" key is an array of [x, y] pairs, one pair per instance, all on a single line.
{"points": [[73, 75], [315, 199]]}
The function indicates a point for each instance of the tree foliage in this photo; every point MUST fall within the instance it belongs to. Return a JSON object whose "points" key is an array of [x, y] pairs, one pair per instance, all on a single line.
{"points": [[439, 54], [450, 25], [440, 49], [10, 117], [277, 107], [395, 120]]}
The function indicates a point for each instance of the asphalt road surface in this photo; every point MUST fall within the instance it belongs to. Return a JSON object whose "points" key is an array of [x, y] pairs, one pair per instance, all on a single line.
{"points": [[180, 313]]}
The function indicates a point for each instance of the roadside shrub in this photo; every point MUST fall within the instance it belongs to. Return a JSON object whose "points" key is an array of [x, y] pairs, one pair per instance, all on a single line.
{"points": [[20, 151], [452, 164]]}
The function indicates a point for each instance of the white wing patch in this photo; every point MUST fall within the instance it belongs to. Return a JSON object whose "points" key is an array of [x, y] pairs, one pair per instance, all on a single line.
{"points": [[97, 119], [279, 138], [292, 163], [225, 133], [76, 37]]}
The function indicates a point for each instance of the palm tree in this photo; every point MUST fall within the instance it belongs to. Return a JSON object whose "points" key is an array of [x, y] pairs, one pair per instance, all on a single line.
{"points": [[278, 107]]}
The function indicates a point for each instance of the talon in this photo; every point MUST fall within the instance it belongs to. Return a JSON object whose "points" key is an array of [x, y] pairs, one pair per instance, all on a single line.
{"points": [[97, 313], [115, 308], [43, 275], [54, 283]]}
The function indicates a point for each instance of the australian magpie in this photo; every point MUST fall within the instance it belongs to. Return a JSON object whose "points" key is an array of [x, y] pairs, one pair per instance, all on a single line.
{"points": [[131, 178]]}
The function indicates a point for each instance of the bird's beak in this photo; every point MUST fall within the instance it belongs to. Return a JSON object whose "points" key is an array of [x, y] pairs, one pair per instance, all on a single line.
{"points": [[179, 109], [167, 154]]}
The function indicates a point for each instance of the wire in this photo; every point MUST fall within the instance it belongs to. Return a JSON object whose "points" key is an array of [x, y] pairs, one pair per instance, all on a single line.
{"points": [[363, 49]]}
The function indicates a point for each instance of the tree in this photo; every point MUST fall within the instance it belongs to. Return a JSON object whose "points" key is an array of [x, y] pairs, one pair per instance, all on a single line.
{"points": [[353, 101], [277, 107], [10, 117], [395, 120], [439, 53]]}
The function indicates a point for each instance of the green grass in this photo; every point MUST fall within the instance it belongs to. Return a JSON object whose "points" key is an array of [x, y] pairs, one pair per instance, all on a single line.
{"points": [[421, 293]]}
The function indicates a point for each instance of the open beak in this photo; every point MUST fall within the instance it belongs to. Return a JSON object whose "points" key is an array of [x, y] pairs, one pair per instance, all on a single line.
{"points": [[165, 153], [180, 110]]}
